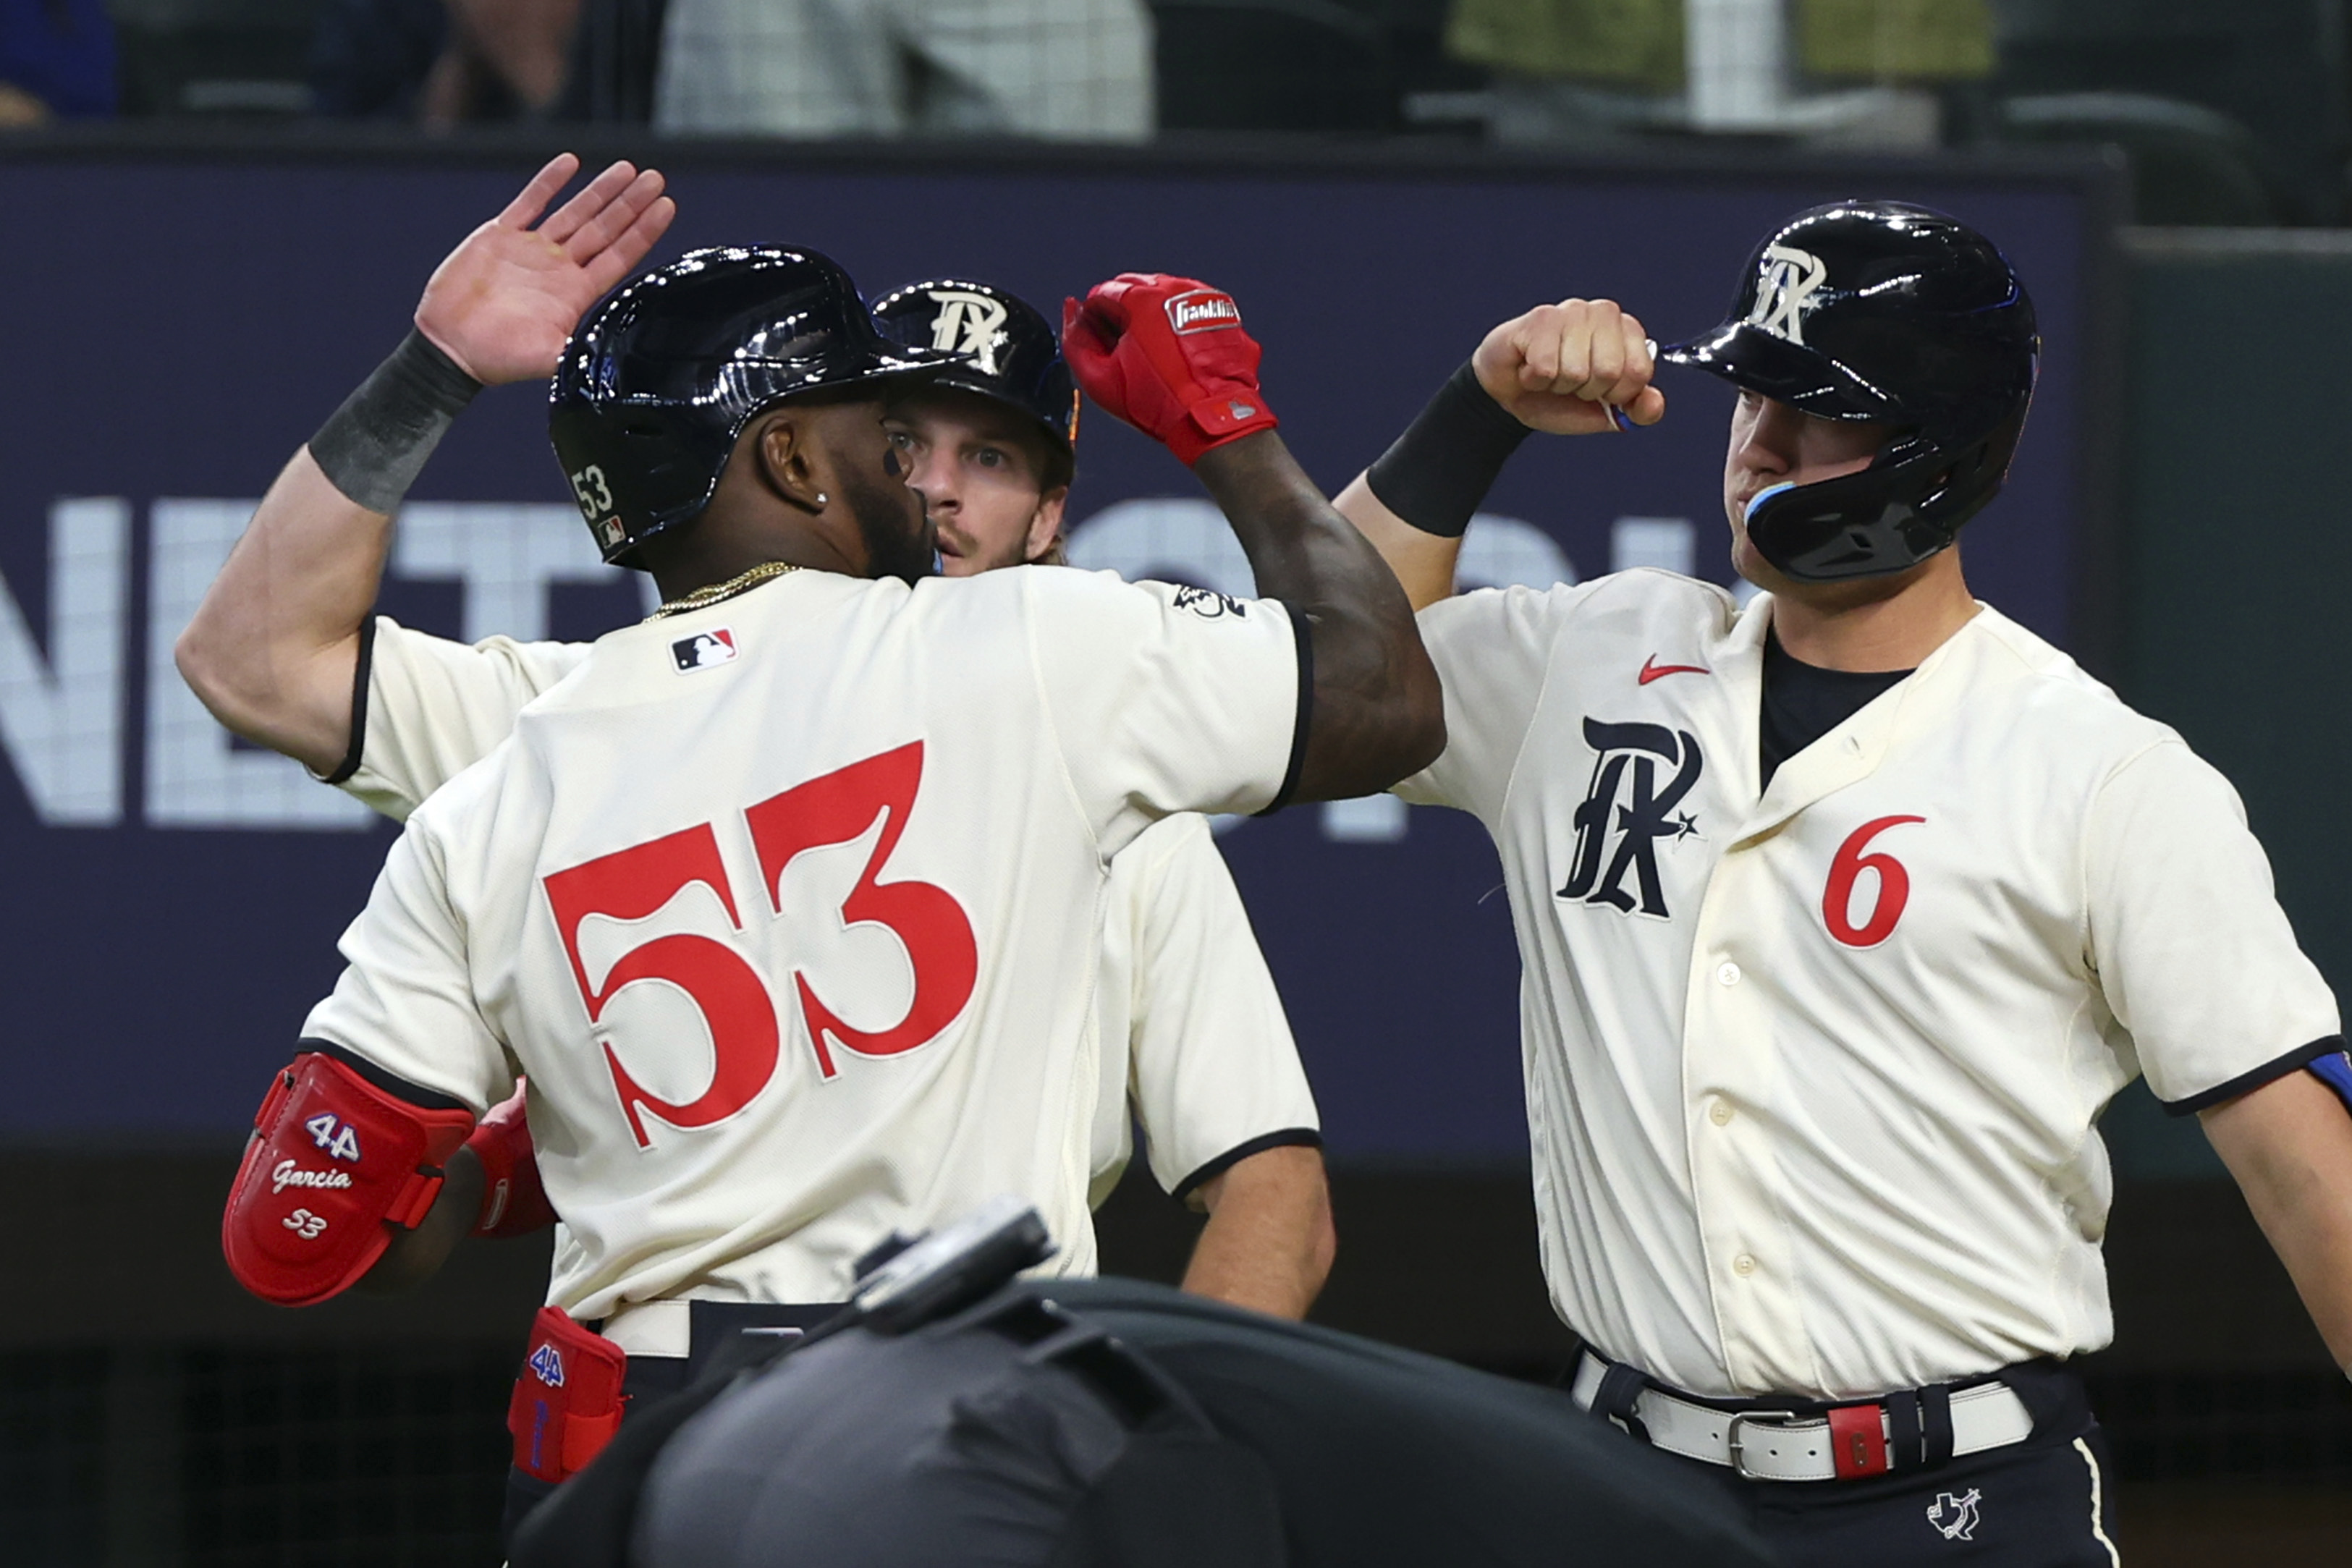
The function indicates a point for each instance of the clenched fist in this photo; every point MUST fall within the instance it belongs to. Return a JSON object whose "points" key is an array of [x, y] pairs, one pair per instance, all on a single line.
{"points": [[1565, 368], [1169, 356]]}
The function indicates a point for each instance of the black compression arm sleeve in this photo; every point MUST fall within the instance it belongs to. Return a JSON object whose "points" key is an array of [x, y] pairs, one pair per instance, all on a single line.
{"points": [[1448, 459], [372, 448]]}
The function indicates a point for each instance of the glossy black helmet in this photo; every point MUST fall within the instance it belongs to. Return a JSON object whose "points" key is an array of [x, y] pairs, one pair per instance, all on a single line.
{"points": [[1879, 310], [1004, 349], [659, 381]]}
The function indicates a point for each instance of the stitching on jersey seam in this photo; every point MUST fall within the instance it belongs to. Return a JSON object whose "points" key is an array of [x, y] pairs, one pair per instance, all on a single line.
{"points": [[1543, 689], [1052, 726], [2083, 860]]}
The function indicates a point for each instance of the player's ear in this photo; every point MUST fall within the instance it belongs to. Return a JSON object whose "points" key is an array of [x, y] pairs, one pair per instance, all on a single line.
{"points": [[1043, 547], [786, 453]]}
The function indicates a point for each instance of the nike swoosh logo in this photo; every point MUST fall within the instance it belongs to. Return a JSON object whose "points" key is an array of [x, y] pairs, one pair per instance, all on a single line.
{"points": [[1652, 670]]}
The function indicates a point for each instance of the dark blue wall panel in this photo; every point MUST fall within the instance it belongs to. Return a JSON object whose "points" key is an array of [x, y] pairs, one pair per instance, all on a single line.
{"points": [[172, 327]]}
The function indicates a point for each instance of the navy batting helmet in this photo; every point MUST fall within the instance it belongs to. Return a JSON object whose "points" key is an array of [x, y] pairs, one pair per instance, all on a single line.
{"points": [[1004, 349], [658, 383], [1878, 310]]}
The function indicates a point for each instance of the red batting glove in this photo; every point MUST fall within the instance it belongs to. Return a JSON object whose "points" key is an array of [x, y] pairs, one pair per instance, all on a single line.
{"points": [[513, 1202], [1169, 356]]}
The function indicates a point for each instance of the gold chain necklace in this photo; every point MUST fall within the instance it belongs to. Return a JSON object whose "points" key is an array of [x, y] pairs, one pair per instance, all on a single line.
{"points": [[704, 598]]}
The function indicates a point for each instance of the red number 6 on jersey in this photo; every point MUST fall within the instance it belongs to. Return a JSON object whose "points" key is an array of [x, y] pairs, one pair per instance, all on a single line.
{"points": [[1894, 887]]}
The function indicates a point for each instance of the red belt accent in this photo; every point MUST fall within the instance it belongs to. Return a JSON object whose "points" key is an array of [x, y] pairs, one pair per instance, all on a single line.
{"points": [[1858, 1441]]}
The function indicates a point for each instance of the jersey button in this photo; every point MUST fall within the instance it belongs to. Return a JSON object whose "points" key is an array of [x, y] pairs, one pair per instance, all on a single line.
{"points": [[1719, 1112], [1743, 1265], [1726, 972]]}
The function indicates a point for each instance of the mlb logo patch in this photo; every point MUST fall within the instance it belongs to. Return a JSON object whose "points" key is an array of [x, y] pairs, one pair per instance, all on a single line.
{"points": [[610, 534], [703, 650], [547, 1365], [1202, 311]]}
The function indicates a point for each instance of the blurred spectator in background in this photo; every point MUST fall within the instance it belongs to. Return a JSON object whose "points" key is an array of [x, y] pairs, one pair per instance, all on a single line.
{"points": [[1069, 70], [57, 61], [441, 63], [1591, 69]]}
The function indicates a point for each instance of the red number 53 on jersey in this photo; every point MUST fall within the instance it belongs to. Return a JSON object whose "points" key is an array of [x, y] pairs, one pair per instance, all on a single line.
{"points": [[734, 1000]]}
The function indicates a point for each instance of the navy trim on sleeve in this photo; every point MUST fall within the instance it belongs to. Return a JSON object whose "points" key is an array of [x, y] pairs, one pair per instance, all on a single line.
{"points": [[350, 762], [391, 1083], [2246, 1082], [1305, 636], [1288, 1138], [2334, 1070]]}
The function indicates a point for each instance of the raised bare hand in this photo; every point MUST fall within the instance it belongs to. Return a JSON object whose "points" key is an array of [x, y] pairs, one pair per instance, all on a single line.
{"points": [[503, 302], [1565, 368]]}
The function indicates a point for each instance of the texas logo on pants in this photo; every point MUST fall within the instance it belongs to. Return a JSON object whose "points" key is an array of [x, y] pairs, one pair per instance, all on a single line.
{"points": [[1956, 1516]]}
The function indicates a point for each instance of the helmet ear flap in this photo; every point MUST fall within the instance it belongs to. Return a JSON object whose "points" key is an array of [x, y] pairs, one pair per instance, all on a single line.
{"points": [[1889, 516]]}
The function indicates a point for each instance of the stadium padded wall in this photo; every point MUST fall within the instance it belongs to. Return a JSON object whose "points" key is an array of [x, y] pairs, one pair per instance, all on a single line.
{"points": [[2236, 543]]}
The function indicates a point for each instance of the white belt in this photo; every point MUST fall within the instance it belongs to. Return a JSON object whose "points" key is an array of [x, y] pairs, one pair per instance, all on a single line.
{"points": [[652, 1328], [1774, 1445]]}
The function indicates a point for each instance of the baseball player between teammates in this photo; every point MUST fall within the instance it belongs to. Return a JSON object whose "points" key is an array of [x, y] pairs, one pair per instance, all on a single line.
{"points": [[723, 410], [286, 651], [1843, 914]]}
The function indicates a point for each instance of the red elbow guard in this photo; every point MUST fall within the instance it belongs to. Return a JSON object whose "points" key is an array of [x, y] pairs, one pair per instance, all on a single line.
{"points": [[513, 1201], [333, 1160]]}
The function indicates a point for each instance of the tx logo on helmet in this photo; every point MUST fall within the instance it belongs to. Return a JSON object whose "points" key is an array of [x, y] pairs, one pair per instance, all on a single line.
{"points": [[1784, 296], [967, 324], [1625, 813]]}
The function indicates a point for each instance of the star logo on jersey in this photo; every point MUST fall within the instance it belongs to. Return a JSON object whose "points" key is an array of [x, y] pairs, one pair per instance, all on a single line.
{"points": [[1640, 776], [1955, 1518], [703, 651], [1209, 604], [1653, 671]]}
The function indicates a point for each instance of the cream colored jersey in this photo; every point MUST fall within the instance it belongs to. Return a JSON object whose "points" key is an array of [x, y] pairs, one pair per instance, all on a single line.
{"points": [[1196, 1046], [1813, 1069], [425, 709], [791, 908]]}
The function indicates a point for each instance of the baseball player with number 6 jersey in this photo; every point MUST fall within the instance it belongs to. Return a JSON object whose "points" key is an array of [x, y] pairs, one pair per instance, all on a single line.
{"points": [[1843, 914]]}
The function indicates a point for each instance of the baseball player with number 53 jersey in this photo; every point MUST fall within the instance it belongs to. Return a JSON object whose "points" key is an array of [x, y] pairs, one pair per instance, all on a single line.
{"points": [[1843, 914], [286, 649], [790, 901]]}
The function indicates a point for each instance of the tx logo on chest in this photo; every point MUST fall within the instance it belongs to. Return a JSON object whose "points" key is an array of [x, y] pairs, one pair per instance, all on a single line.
{"points": [[1640, 776]]}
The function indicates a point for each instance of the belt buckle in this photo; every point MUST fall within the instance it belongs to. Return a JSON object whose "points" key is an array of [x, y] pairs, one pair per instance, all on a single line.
{"points": [[1732, 1435]]}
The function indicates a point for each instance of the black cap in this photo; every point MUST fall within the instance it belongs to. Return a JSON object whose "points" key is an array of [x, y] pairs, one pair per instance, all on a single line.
{"points": [[1883, 311], [1003, 347], [658, 383]]}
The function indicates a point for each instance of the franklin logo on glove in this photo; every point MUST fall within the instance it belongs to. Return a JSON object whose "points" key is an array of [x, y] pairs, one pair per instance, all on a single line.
{"points": [[1170, 356], [1204, 310]]}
